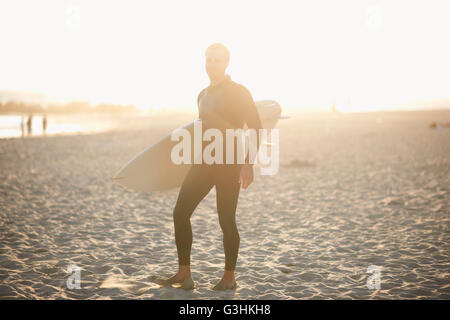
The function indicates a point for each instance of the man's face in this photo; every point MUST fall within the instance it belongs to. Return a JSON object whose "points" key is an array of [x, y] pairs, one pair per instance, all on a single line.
{"points": [[216, 63]]}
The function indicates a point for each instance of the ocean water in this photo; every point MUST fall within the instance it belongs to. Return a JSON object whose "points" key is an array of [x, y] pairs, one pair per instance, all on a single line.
{"points": [[15, 126]]}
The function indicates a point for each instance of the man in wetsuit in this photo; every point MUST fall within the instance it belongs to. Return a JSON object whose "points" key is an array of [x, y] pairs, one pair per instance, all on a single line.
{"points": [[224, 104]]}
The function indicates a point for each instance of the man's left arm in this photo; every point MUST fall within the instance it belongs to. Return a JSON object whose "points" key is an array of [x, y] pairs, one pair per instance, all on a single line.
{"points": [[251, 118]]}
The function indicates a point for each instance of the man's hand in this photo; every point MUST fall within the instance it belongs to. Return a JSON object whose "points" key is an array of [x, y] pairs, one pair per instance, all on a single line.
{"points": [[246, 177]]}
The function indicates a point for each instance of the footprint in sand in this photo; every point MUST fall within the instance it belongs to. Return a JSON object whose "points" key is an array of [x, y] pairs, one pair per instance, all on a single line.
{"points": [[128, 285]]}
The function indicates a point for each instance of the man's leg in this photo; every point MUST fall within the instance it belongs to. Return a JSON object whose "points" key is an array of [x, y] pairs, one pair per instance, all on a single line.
{"points": [[195, 187], [227, 190]]}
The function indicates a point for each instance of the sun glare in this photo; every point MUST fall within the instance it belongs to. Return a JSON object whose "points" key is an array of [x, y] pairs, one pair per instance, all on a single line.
{"points": [[360, 56]]}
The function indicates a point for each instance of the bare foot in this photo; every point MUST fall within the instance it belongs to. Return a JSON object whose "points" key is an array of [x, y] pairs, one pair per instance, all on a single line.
{"points": [[225, 285], [177, 278]]}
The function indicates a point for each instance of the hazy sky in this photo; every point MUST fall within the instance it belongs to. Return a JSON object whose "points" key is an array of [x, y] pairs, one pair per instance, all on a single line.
{"points": [[373, 54]]}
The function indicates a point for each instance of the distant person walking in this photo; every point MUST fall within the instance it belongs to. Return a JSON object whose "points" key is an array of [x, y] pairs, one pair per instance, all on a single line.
{"points": [[22, 126], [44, 124], [30, 123]]}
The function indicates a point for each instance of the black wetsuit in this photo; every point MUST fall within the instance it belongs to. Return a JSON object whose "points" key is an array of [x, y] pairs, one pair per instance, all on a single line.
{"points": [[227, 105]]}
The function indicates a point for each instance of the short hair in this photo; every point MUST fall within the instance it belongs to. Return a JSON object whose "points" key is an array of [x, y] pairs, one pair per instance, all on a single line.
{"points": [[220, 46]]}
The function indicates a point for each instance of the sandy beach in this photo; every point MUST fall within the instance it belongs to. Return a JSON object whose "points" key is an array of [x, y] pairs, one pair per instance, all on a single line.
{"points": [[353, 191]]}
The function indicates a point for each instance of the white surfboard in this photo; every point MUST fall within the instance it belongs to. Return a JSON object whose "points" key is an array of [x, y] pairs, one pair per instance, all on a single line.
{"points": [[153, 169]]}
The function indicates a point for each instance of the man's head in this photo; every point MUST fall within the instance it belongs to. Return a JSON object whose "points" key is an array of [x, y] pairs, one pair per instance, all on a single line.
{"points": [[217, 59]]}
